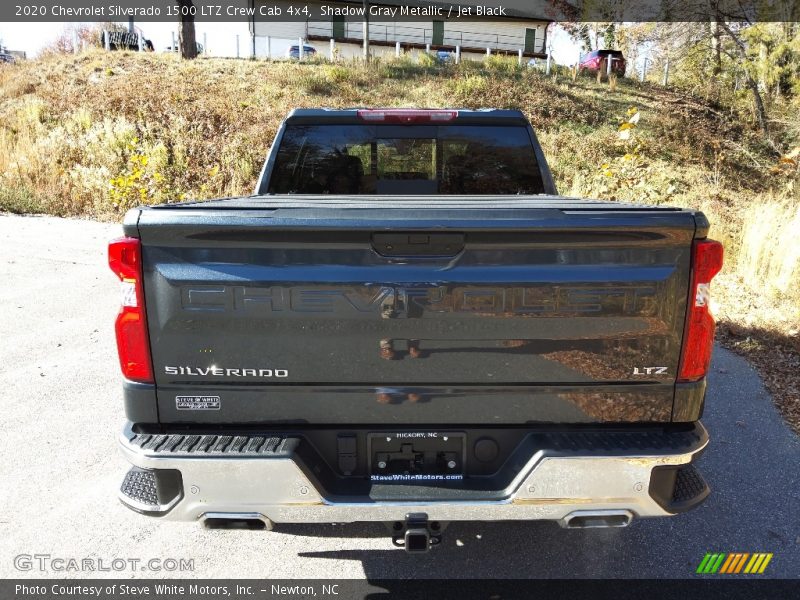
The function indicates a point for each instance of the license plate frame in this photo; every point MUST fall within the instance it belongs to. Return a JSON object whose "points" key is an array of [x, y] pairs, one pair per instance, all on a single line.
{"points": [[424, 456]]}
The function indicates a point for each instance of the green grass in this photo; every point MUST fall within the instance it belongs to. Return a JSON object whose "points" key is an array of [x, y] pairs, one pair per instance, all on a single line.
{"points": [[18, 201]]}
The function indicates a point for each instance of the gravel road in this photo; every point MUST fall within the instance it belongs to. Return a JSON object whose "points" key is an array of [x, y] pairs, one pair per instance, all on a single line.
{"points": [[59, 376]]}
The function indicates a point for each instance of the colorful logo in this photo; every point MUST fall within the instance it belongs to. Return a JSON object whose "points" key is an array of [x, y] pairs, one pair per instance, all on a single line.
{"points": [[734, 563]]}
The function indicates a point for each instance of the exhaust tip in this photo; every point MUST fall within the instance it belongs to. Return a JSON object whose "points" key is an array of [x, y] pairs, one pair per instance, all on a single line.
{"points": [[241, 521], [591, 519]]}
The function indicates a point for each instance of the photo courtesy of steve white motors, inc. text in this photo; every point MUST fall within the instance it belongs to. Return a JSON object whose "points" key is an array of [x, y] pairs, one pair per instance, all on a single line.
{"points": [[140, 591]]}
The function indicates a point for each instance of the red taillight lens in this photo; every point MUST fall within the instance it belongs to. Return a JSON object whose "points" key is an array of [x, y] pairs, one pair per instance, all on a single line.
{"points": [[406, 115], [133, 345], [698, 339]]}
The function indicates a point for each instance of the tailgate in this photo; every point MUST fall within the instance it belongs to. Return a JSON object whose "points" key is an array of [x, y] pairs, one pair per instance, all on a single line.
{"points": [[393, 315]]}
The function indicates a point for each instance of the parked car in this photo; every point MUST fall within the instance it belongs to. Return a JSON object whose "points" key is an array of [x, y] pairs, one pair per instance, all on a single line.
{"points": [[597, 60], [535, 63], [294, 51], [7, 58], [406, 324], [445, 56], [124, 40]]}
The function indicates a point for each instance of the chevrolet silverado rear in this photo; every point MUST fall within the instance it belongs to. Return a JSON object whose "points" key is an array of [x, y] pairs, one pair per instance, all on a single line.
{"points": [[406, 324]]}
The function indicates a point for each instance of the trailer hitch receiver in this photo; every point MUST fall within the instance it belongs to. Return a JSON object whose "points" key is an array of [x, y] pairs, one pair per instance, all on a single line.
{"points": [[417, 534]]}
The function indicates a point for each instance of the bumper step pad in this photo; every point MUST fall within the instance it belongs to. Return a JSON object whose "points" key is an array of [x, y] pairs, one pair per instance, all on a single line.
{"points": [[622, 442], [215, 445], [678, 489], [690, 488], [140, 485], [151, 491]]}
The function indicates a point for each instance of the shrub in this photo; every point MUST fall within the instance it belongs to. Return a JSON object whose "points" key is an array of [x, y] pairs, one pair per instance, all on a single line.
{"points": [[339, 73], [470, 89], [503, 64], [315, 84], [427, 60], [19, 200]]}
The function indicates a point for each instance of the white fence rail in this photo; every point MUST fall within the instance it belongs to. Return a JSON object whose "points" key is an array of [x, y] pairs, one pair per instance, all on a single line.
{"points": [[412, 41], [401, 40]]}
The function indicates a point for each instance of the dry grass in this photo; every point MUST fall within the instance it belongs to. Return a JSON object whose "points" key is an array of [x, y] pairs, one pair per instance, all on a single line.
{"points": [[96, 134], [770, 246]]}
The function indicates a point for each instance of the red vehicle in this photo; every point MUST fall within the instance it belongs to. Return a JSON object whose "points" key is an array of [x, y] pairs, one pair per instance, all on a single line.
{"points": [[597, 60]]}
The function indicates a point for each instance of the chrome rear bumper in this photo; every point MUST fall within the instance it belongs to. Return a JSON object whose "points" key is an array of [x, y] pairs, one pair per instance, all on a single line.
{"points": [[576, 487]]}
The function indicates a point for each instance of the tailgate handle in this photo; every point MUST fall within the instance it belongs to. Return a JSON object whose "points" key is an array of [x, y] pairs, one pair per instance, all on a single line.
{"points": [[418, 244]]}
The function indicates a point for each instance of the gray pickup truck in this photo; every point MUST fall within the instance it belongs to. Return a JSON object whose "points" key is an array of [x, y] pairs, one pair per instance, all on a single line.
{"points": [[406, 324]]}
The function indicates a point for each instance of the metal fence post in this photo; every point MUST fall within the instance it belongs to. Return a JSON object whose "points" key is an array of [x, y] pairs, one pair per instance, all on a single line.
{"points": [[549, 60], [488, 51], [75, 48], [520, 57], [458, 54], [269, 48], [174, 47], [140, 39], [666, 74], [644, 70], [205, 42], [300, 49], [333, 49], [106, 40], [237, 46], [608, 65], [365, 48], [397, 49], [427, 48]]}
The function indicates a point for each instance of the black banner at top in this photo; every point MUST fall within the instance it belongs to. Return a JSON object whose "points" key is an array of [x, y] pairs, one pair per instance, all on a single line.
{"points": [[752, 11]]}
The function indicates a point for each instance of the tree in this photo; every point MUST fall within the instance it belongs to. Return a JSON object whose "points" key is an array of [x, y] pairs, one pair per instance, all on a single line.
{"points": [[581, 33], [85, 34], [187, 39], [741, 50], [590, 35], [716, 56]]}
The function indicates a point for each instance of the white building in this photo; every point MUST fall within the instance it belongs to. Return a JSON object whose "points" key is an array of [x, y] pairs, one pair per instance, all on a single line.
{"points": [[519, 30]]}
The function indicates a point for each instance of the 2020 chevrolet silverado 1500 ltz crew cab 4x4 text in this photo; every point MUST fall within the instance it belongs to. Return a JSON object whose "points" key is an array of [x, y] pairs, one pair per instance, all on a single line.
{"points": [[406, 324]]}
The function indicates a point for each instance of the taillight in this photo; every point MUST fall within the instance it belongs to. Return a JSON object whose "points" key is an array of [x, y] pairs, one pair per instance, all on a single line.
{"points": [[133, 346], [698, 339], [406, 115]]}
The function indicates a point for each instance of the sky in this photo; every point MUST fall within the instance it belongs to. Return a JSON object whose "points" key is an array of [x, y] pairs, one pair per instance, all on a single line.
{"points": [[221, 38], [32, 37]]}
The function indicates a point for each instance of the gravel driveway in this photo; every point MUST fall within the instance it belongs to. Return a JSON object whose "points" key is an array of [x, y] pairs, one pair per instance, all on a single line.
{"points": [[59, 377]]}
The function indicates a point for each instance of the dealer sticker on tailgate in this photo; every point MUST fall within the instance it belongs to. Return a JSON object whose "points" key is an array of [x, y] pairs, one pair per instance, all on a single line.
{"points": [[197, 402]]}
